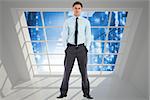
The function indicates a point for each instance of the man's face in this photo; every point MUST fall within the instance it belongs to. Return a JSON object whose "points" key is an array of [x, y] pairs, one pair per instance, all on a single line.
{"points": [[77, 10]]}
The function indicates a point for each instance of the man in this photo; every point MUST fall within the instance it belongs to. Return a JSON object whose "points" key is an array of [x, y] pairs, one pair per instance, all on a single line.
{"points": [[77, 38]]}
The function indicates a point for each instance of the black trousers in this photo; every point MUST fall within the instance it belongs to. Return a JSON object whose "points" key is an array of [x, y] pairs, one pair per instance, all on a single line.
{"points": [[71, 53]]}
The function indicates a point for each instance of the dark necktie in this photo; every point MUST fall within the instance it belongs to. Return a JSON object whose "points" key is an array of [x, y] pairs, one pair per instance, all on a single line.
{"points": [[76, 31]]}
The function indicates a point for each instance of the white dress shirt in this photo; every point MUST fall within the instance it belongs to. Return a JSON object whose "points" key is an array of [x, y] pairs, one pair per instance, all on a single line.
{"points": [[84, 31]]}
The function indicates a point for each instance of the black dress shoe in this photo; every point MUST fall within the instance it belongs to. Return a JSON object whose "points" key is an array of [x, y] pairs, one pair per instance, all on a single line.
{"points": [[88, 96], [61, 96]]}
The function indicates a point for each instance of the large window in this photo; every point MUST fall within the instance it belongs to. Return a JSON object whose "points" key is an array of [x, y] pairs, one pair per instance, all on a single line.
{"points": [[43, 39]]}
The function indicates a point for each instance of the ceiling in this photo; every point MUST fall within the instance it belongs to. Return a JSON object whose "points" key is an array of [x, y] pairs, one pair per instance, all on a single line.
{"points": [[80, 0]]}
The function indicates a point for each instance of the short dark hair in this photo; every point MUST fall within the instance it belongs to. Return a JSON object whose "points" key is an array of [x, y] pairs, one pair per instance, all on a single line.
{"points": [[77, 3]]}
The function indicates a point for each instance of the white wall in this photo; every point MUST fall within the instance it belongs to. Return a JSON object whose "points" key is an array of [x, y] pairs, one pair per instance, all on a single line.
{"points": [[5, 83], [149, 49], [0, 37], [12, 55], [136, 67], [0, 30]]}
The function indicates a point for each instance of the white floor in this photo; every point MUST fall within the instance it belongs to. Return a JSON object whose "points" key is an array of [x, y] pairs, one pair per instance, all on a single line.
{"points": [[47, 88]]}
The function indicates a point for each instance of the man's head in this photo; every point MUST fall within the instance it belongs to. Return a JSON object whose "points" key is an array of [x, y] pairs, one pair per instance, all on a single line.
{"points": [[77, 8]]}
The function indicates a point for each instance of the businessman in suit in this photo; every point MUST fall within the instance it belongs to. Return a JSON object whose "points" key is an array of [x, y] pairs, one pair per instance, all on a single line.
{"points": [[76, 39]]}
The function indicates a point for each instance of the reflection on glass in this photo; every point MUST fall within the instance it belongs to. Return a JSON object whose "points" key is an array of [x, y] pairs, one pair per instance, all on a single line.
{"points": [[56, 59], [55, 47], [53, 18], [53, 33], [95, 59], [36, 33], [99, 33], [115, 33], [41, 59], [112, 47], [100, 68], [43, 69], [118, 18], [107, 68], [110, 59], [39, 47], [33, 18], [99, 18], [70, 14], [93, 68], [96, 47]]}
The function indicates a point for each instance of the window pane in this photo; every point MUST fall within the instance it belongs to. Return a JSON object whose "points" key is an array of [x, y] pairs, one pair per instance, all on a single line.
{"points": [[56, 59], [100, 48], [93, 68], [96, 47], [100, 68], [39, 47], [55, 47], [42, 69], [38, 59], [70, 14], [112, 47], [95, 59], [53, 33], [110, 59], [36, 33], [41, 59], [107, 68], [118, 18], [99, 33], [53, 18], [115, 33], [33, 18], [99, 18]]}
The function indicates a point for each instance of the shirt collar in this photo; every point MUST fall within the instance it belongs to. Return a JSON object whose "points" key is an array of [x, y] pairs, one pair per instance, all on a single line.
{"points": [[78, 17]]}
